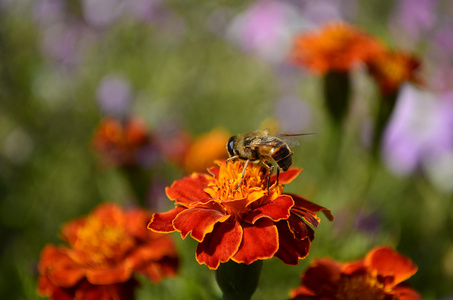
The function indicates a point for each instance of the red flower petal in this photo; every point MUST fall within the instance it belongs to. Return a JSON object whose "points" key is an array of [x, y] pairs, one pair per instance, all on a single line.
{"points": [[322, 277], [220, 245], [299, 228], [310, 206], [286, 177], [189, 190], [163, 222], [117, 274], [405, 292], [198, 221], [387, 262], [61, 270], [259, 241], [154, 251], [275, 210], [290, 249]]}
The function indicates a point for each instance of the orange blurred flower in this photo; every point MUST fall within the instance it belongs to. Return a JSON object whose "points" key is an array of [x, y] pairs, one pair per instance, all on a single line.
{"points": [[379, 275], [205, 149], [392, 68], [336, 47], [244, 223], [119, 140], [105, 250]]}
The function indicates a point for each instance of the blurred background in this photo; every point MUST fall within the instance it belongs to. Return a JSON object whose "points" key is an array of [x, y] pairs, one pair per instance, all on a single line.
{"points": [[187, 68]]}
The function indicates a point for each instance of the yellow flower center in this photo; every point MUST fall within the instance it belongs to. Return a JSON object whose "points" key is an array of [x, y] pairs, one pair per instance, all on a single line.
{"points": [[336, 38], [231, 186], [101, 242], [359, 287]]}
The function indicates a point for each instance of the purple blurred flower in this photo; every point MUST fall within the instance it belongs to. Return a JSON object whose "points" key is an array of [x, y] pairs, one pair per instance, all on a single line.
{"points": [[411, 19], [266, 28], [66, 43], [368, 222], [101, 13], [49, 12], [114, 96], [420, 130]]}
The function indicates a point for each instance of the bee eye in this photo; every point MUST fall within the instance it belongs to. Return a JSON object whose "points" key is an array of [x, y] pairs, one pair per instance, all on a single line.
{"points": [[230, 146]]}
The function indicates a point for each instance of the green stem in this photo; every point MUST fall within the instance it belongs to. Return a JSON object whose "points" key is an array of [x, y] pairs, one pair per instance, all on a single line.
{"points": [[139, 181], [337, 92], [238, 281], [385, 109]]}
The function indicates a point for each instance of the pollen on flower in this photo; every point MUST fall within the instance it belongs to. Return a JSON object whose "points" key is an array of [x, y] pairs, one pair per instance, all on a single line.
{"points": [[232, 185], [102, 242]]}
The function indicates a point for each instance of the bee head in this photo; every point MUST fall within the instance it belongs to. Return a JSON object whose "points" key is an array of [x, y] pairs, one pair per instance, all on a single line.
{"points": [[230, 146]]}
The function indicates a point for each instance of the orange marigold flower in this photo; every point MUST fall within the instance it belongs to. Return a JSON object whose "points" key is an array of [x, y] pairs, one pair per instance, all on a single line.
{"points": [[105, 250], [392, 68], [379, 276], [205, 149], [244, 223], [336, 47], [119, 140]]}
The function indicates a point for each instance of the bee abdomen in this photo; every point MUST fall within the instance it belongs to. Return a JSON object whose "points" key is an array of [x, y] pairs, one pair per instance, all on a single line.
{"points": [[283, 157]]}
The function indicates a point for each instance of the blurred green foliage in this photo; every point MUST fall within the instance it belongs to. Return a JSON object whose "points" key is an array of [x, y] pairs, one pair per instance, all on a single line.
{"points": [[182, 71]]}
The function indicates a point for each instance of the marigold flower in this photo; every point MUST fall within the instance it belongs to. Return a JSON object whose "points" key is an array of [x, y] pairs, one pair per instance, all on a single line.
{"points": [[105, 250], [243, 224], [336, 47], [205, 149], [392, 68], [119, 141], [380, 275]]}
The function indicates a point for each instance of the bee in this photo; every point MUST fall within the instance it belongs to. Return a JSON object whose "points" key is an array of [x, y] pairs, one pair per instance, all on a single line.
{"points": [[260, 147]]}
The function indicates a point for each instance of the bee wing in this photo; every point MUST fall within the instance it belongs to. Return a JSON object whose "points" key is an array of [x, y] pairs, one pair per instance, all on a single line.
{"points": [[268, 140], [286, 137]]}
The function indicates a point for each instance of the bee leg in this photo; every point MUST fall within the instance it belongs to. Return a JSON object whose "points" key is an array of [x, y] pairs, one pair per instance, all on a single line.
{"points": [[243, 173], [231, 158], [270, 170], [278, 173]]}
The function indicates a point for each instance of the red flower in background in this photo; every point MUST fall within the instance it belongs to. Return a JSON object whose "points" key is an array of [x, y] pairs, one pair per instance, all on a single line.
{"points": [[105, 250], [119, 140], [242, 223], [336, 47], [391, 69], [379, 275]]}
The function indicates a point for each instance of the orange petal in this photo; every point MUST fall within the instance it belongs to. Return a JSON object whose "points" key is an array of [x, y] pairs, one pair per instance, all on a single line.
{"points": [[152, 251], [405, 292], [116, 274], [189, 190], [220, 245], [290, 249], [198, 221], [286, 177], [388, 262], [163, 222], [275, 210], [259, 241], [61, 270]]}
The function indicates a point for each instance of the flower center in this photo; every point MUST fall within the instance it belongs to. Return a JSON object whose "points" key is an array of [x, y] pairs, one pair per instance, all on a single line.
{"points": [[101, 242], [230, 186], [361, 287], [337, 37]]}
